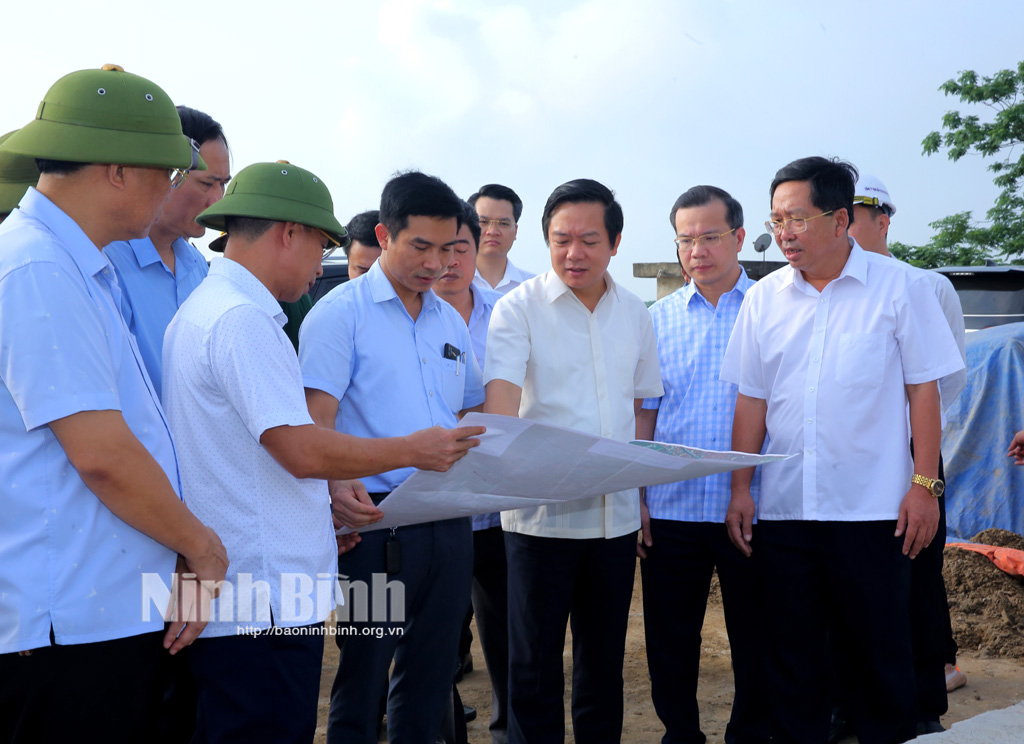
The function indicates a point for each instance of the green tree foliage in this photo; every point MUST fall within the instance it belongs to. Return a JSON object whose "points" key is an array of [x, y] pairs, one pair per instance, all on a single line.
{"points": [[958, 239], [957, 242]]}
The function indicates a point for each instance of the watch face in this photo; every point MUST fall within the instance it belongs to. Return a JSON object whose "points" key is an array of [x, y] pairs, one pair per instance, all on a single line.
{"points": [[938, 488]]}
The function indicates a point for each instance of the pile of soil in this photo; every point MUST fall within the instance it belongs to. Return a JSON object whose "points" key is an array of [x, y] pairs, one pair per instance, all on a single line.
{"points": [[986, 605]]}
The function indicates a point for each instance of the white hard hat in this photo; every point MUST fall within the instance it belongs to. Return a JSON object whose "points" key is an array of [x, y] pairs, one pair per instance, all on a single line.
{"points": [[871, 192]]}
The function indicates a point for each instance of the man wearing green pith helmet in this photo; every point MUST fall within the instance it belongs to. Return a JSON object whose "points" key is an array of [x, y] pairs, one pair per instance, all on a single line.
{"points": [[17, 174], [93, 521], [253, 462]]}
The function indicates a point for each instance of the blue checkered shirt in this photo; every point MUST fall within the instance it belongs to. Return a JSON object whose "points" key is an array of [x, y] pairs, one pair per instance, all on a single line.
{"points": [[697, 407]]}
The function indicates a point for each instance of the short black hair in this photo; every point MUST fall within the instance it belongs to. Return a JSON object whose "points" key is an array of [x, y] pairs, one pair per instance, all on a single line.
{"points": [[415, 194], [504, 193], [363, 227], [58, 167], [471, 220], [699, 196], [199, 126], [247, 228], [580, 191], [832, 181]]}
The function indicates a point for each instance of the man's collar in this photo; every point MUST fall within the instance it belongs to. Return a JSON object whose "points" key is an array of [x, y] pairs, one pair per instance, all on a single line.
{"points": [[145, 252], [382, 290], [83, 251], [553, 286], [856, 267], [247, 282], [743, 283], [483, 296]]}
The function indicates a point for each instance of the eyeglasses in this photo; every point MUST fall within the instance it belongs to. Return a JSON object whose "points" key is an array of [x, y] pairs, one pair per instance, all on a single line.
{"points": [[686, 243], [500, 224], [794, 225], [177, 175], [330, 246]]}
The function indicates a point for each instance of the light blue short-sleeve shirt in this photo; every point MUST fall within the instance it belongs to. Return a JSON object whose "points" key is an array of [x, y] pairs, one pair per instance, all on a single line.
{"points": [[391, 373], [152, 294], [65, 560]]}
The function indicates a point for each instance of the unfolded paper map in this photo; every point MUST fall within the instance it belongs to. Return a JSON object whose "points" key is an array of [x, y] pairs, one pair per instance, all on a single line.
{"points": [[522, 463]]}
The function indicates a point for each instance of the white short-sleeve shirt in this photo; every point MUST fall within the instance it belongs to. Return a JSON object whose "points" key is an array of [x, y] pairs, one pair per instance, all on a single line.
{"points": [[578, 369], [230, 374], [832, 366]]}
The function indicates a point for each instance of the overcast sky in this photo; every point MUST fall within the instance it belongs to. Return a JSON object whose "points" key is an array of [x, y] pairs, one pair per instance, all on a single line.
{"points": [[650, 96]]}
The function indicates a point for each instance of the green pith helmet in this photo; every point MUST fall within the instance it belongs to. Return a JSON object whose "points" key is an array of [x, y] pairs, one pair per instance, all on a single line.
{"points": [[17, 173], [279, 191], [106, 116]]}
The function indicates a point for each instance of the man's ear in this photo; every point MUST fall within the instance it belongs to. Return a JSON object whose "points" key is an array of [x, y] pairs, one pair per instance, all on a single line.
{"points": [[842, 219], [383, 236], [117, 176], [740, 235]]}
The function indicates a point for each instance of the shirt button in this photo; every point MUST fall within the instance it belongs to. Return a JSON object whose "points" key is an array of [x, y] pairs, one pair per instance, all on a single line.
{"points": [[424, 360], [809, 421], [814, 359], [811, 389], [431, 394]]}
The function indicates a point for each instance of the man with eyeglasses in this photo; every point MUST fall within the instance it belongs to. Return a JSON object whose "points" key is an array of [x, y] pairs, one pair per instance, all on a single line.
{"points": [[499, 209], [828, 353], [91, 500], [683, 539], [254, 463], [158, 272]]}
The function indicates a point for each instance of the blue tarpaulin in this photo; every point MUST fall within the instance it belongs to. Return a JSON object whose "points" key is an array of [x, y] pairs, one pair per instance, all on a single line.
{"points": [[983, 487]]}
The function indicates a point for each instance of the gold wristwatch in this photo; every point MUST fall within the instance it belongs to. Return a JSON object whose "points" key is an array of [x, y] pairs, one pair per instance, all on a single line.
{"points": [[934, 485]]}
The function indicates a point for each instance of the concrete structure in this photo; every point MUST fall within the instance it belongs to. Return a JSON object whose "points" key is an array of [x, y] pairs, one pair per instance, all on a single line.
{"points": [[670, 276], [1004, 726]]}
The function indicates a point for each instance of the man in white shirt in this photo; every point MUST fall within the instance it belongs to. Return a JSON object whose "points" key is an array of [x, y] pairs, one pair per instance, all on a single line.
{"points": [[499, 209], [570, 347], [935, 648], [253, 463], [827, 354]]}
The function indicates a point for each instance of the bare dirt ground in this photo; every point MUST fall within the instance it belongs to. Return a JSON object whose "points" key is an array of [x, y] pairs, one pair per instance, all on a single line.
{"points": [[994, 681]]}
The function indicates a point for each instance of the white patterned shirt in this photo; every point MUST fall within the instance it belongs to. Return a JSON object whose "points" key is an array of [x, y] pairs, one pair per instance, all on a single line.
{"points": [[230, 374]]}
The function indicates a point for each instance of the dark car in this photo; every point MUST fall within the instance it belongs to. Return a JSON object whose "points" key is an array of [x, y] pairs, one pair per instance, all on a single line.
{"points": [[335, 273], [990, 295]]}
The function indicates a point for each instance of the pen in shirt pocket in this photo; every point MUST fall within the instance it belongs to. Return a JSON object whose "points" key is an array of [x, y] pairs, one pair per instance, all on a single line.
{"points": [[452, 352]]}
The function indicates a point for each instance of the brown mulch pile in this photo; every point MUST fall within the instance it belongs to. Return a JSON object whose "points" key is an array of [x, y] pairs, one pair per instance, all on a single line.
{"points": [[985, 604]]}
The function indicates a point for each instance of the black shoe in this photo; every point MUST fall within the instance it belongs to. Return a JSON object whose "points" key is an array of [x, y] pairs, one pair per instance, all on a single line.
{"points": [[840, 728], [469, 713], [929, 727], [464, 667]]}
